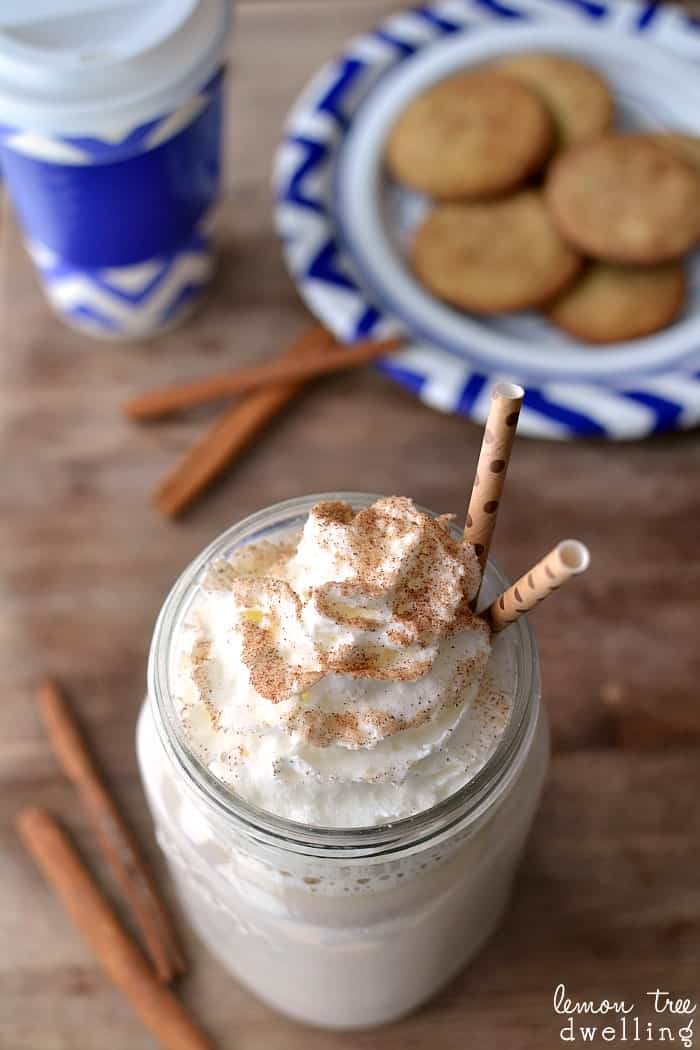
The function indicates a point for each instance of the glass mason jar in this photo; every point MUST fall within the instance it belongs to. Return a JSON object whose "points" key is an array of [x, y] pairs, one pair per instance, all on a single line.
{"points": [[340, 928]]}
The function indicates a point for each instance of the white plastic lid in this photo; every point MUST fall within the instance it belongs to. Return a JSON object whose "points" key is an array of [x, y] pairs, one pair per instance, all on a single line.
{"points": [[100, 67]]}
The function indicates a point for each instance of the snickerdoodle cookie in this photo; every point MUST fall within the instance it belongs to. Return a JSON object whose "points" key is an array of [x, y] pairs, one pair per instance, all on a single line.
{"points": [[493, 256], [577, 97], [622, 198], [686, 147], [473, 135], [609, 303]]}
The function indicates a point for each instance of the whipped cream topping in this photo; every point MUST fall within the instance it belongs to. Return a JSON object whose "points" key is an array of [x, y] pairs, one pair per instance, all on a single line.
{"points": [[338, 677]]}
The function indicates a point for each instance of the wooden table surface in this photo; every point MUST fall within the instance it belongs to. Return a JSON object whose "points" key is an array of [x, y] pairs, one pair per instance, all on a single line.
{"points": [[608, 900]]}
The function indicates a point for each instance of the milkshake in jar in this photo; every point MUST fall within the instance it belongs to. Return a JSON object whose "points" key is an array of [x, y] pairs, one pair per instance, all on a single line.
{"points": [[342, 761], [110, 141]]}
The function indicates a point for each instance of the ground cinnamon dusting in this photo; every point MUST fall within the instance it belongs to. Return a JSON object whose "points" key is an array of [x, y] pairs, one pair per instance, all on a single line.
{"points": [[200, 655], [426, 604], [271, 675]]}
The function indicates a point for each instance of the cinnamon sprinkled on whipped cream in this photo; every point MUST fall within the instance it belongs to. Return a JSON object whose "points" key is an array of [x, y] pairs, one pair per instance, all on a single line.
{"points": [[338, 677]]}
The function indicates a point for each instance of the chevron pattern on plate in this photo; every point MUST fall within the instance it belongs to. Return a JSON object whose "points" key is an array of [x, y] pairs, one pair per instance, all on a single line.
{"points": [[324, 270]]}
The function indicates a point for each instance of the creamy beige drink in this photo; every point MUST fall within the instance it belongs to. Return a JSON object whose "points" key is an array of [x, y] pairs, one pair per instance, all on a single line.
{"points": [[341, 760]]}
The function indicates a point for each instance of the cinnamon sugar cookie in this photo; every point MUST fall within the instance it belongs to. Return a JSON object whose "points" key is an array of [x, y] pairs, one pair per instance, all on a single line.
{"points": [[610, 303], [493, 257], [472, 135], [578, 98], [685, 147], [622, 198]]}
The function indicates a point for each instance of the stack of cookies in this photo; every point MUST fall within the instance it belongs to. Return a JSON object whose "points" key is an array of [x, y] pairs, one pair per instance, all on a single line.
{"points": [[537, 203]]}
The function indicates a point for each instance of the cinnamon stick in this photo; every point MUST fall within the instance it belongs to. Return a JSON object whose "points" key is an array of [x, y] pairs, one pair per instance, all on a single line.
{"points": [[113, 837], [155, 404], [161, 1013], [233, 432]]}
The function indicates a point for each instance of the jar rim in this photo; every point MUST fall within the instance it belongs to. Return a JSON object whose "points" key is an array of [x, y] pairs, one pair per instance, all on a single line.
{"points": [[467, 803]]}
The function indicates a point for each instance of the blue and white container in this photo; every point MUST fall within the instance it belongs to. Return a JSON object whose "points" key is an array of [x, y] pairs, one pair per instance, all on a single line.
{"points": [[110, 134]]}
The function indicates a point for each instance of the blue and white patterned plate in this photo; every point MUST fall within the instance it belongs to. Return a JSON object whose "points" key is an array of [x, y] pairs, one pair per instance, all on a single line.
{"points": [[344, 224]]}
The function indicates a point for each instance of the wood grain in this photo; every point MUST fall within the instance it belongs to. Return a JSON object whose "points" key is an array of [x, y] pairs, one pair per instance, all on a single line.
{"points": [[609, 897]]}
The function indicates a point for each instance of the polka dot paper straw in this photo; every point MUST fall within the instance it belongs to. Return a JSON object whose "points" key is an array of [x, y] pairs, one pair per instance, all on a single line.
{"points": [[491, 469], [569, 558]]}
